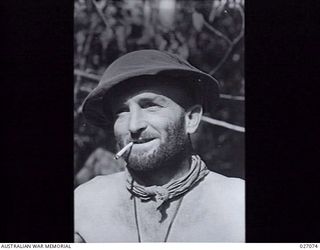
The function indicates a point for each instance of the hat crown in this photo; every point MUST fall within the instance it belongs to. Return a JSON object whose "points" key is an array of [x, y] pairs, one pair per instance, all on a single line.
{"points": [[147, 60]]}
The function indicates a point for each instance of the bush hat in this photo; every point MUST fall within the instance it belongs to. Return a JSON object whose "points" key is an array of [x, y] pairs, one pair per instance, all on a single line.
{"points": [[147, 63]]}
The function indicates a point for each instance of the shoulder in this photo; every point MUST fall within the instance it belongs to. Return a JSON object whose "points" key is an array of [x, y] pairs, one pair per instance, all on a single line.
{"points": [[229, 188], [227, 204], [100, 186], [214, 178], [95, 203], [101, 180], [227, 195], [220, 179]]}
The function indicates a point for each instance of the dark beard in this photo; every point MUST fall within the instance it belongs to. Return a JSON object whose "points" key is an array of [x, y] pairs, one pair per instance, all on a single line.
{"points": [[172, 151]]}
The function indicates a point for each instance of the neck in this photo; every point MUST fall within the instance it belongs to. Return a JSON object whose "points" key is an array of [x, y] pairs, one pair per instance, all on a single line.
{"points": [[164, 174]]}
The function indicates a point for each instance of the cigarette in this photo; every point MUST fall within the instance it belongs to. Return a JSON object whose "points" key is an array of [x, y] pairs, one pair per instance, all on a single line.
{"points": [[123, 150]]}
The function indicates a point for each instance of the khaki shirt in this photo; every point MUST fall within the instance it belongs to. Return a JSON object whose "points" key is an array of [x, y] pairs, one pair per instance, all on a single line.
{"points": [[212, 211]]}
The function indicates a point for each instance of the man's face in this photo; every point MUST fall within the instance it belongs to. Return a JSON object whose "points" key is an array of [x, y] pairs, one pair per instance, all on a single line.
{"points": [[154, 121]]}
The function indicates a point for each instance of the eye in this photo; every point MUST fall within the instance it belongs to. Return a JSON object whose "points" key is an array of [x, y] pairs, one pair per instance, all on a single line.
{"points": [[151, 106]]}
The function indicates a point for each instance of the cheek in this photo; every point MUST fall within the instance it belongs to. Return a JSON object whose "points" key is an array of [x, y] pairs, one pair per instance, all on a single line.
{"points": [[163, 125], [119, 127]]}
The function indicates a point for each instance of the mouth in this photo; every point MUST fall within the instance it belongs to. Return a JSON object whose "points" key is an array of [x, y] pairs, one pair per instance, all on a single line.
{"points": [[142, 140]]}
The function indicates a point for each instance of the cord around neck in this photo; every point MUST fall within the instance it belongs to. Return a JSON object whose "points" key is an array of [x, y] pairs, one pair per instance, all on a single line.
{"points": [[172, 189]]}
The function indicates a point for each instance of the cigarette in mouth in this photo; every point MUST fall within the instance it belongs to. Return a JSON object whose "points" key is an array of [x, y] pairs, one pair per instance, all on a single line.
{"points": [[123, 150]]}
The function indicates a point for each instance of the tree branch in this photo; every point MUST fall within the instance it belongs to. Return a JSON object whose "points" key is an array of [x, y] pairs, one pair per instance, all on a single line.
{"points": [[232, 43], [217, 32], [232, 97], [100, 13], [222, 61], [223, 124], [87, 75], [237, 39]]}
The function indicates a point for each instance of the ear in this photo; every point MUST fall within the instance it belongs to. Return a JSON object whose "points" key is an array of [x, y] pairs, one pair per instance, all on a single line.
{"points": [[193, 118]]}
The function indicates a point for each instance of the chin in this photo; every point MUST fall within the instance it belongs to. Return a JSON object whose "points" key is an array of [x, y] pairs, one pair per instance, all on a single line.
{"points": [[144, 161], [157, 159]]}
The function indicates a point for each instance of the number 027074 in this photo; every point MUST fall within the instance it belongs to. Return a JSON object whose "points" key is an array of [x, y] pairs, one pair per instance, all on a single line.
{"points": [[306, 245]]}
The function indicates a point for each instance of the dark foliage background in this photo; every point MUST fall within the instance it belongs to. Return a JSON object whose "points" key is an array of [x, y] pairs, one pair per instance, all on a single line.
{"points": [[209, 34]]}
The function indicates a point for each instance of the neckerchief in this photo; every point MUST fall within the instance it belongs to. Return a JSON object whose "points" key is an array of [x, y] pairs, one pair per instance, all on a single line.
{"points": [[174, 188]]}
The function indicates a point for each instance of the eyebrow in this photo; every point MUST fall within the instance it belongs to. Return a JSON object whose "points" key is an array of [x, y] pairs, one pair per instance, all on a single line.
{"points": [[153, 98]]}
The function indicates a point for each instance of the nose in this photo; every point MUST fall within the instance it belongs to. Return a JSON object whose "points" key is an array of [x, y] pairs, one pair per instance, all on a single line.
{"points": [[137, 123]]}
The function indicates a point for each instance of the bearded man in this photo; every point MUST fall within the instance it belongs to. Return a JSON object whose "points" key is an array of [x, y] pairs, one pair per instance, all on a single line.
{"points": [[154, 101]]}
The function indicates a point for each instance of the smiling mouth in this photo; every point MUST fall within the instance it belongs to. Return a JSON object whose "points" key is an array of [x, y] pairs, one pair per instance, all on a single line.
{"points": [[140, 141]]}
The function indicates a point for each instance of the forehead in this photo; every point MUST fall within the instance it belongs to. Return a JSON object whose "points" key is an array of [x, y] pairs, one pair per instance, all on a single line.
{"points": [[150, 87]]}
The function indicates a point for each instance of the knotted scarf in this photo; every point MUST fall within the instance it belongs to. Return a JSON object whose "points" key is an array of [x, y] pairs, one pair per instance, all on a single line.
{"points": [[174, 188]]}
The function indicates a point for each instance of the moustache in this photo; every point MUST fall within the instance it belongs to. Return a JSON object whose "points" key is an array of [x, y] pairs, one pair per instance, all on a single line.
{"points": [[138, 140]]}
